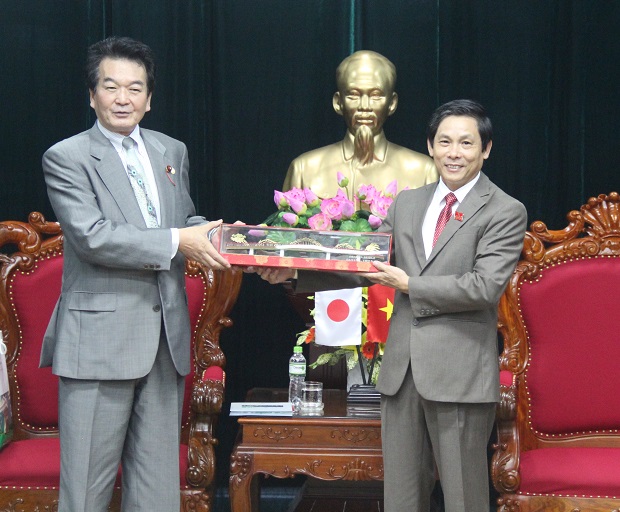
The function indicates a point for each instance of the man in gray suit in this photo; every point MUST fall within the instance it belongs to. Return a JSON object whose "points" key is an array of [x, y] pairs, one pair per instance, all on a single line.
{"points": [[455, 246], [119, 337]]}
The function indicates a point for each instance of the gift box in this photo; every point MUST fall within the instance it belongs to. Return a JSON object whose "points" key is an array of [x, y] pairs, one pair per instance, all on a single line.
{"points": [[341, 251]]}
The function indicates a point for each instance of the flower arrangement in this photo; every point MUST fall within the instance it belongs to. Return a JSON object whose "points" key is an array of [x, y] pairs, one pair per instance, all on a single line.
{"points": [[304, 209]]}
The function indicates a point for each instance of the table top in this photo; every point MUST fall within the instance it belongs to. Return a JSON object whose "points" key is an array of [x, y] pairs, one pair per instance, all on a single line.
{"points": [[335, 407]]}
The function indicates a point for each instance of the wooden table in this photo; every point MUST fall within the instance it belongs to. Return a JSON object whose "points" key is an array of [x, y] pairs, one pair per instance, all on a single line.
{"points": [[335, 446]]}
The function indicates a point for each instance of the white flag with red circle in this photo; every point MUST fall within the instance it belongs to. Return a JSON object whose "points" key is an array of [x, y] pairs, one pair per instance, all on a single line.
{"points": [[338, 317]]}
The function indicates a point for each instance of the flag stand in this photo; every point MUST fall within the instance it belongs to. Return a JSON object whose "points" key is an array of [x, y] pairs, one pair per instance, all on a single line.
{"points": [[364, 393]]}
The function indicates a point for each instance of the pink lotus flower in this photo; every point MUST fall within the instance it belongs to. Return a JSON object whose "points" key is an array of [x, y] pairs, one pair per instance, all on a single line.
{"points": [[299, 207], [374, 221], [339, 207], [280, 199], [258, 232], [291, 219], [367, 193], [312, 199], [391, 190], [348, 207], [320, 221], [380, 206], [332, 208], [296, 194]]}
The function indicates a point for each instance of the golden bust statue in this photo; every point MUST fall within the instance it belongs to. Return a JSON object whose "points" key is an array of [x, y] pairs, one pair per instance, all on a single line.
{"points": [[365, 98]]}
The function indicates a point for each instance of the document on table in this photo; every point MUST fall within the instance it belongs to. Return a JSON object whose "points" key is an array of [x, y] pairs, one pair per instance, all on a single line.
{"points": [[261, 409]]}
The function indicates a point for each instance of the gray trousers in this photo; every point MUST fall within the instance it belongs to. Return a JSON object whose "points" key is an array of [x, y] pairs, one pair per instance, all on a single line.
{"points": [[135, 423], [418, 433]]}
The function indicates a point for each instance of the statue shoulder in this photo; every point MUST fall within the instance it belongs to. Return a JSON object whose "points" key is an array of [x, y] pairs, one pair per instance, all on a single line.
{"points": [[412, 162], [320, 156], [316, 169], [403, 152]]}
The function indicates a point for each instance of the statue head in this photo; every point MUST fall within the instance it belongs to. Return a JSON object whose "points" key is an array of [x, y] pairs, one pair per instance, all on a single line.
{"points": [[365, 95]]}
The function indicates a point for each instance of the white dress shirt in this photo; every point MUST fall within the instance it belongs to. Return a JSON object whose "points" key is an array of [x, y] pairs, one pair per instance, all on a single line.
{"points": [[151, 185], [437, 204]]}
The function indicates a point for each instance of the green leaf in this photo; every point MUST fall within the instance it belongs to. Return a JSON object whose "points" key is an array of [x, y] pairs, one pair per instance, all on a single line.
{"points": [[363, 226], [269, 220], [347, 225], [282, 237]]}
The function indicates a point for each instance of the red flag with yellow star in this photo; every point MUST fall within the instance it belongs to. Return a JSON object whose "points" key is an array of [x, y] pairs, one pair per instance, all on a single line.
{"points": [[380, 307]]}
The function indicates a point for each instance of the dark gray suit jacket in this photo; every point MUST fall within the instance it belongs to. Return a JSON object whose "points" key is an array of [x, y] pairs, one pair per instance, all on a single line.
{"points": [[119, 280], [447, 325]]}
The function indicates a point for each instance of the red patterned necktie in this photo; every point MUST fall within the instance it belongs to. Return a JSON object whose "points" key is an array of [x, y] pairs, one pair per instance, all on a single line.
{"points": [[444, 216]]}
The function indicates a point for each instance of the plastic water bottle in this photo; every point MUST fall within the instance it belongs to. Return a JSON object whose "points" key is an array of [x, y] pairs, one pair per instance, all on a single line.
{"points": [[297, 375]]}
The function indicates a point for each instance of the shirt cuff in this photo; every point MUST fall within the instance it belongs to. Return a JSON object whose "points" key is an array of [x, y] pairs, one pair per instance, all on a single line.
{"points": [[175, 241]]}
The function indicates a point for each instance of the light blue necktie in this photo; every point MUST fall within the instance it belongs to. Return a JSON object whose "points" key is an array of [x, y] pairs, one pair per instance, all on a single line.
{"points": [[135, 171]]}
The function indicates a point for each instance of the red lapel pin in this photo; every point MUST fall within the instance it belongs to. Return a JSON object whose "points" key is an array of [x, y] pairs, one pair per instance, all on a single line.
{"points": [[170, 170], [458, 216]]}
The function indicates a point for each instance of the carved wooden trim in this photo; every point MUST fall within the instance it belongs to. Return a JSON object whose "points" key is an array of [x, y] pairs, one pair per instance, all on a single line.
{"points": [[355, 436], [240, 468], [277, 434], [16, 506]]}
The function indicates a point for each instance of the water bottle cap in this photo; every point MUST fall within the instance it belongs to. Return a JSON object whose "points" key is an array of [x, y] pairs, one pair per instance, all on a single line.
{"points": [[297, 349]]}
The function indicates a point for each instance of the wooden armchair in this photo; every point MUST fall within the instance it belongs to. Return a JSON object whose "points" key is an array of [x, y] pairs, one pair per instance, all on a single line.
{"points": [[30, 279], [558, 443]]}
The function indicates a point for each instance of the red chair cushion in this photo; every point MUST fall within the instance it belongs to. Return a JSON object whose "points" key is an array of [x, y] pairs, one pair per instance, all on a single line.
{"points": [[214, 373], [583, 472], [35, 463], [31, 463], [574, 346], [34, 295]]}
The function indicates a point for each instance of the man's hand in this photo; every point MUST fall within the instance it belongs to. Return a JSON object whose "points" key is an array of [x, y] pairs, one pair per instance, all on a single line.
{"points": [[273, 275], [389, 275], [195, 245]]}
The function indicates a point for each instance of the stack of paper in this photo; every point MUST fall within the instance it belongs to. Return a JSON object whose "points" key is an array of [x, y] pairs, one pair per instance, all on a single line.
{"points": [[261, 409]]}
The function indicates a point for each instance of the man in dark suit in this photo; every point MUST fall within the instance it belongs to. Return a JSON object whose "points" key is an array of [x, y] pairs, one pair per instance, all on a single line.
{"points": [[455, 246], [119, 337]]}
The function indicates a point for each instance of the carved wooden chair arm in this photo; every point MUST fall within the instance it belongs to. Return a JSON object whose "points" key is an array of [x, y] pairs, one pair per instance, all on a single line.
{"points": [[505, 462], [206, 404]]}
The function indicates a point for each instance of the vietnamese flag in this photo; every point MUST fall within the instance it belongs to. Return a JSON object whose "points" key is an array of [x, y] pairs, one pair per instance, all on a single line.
{"points": [[380, 307], [338, 317]]}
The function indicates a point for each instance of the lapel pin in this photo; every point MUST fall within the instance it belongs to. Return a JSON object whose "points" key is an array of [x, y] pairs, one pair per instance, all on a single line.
{"points": [[171, 170], [458, 216]]}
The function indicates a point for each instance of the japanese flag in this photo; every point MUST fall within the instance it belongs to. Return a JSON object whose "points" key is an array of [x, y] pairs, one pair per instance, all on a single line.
{"points": [[338, 317]]}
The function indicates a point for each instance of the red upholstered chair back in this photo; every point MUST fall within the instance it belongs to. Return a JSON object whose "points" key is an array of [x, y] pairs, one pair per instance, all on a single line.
{"points": [[558, 420], [30, 282], [571, 313], [33, 293]]}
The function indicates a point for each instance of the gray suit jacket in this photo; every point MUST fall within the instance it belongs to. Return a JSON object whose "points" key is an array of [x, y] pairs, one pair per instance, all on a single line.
{"points": [[119, 280], [447, 325]]}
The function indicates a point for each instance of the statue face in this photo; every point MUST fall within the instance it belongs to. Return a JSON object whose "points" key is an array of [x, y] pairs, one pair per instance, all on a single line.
{"points": [[365, 97]]}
